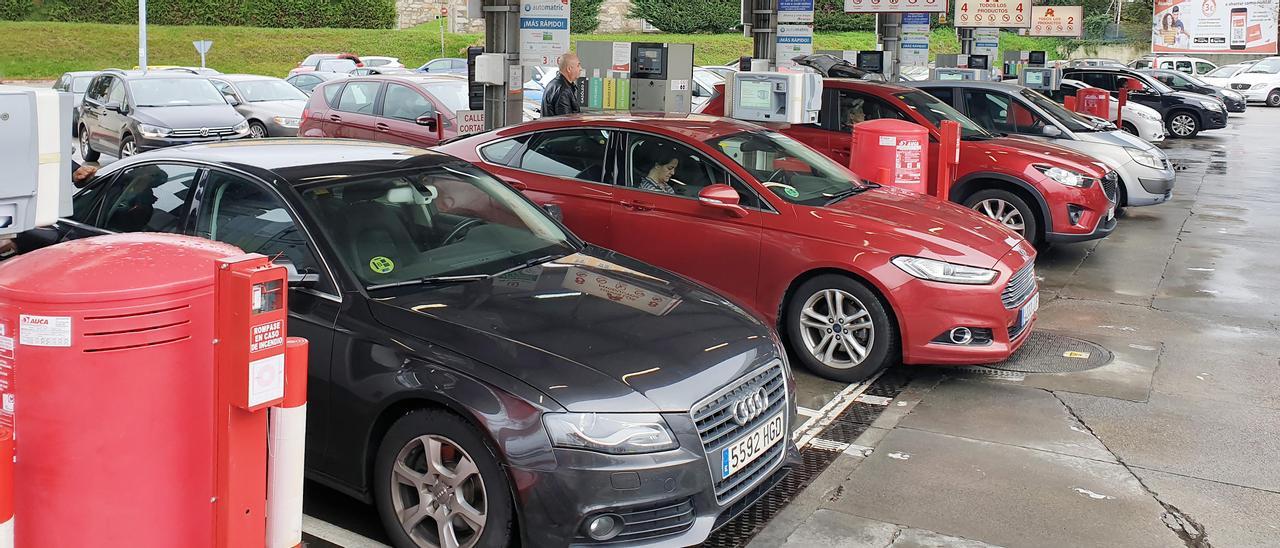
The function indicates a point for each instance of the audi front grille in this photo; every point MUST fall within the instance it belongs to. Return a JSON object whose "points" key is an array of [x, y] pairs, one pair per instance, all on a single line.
{"points": [[717, 428]]}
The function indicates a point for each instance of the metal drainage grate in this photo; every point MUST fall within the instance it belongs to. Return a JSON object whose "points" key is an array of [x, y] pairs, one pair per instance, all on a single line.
{"points": [[1048, 352], [816, 457]]}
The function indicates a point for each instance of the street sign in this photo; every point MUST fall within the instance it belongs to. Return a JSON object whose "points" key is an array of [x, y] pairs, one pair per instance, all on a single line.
{"points": [[202, 47], [1057, 21], [470, 121], [993, 13]]}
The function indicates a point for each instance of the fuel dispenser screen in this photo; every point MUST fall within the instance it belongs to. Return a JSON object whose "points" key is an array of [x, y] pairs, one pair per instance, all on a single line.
{"points": [[1033, 78], [756, 95], [1036, 58], [649, 61]]}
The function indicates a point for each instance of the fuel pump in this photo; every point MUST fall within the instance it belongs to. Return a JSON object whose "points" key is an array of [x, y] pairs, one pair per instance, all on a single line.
{"points": [[788, 97], [35, 148], [650, 77], [960, 67]]}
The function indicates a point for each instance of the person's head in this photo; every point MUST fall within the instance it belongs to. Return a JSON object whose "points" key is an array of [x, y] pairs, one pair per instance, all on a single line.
{"points": [[659, 164], [570, 67], [855, 114], [1176, 15], [1166, 21]]}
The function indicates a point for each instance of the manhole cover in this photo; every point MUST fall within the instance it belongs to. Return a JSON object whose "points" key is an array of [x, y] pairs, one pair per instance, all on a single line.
{"points": [[1049, 352]]}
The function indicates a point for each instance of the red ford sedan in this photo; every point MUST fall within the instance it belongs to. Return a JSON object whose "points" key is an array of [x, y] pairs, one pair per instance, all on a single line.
{"points": [[1044, 192], [856, 276]]}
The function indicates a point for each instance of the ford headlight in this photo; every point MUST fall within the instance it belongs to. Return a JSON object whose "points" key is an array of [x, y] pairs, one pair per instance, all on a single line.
{"points": [[613, 433], [154, 132], [940, 271], [241, 127], [1145, 158], [285, 121], [1212, 105], [1065, 177]]}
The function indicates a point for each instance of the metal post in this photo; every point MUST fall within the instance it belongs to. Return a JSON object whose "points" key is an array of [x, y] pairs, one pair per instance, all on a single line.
{"points": [[442, 36], [764, 29], [503, 107], [889, 31], [142, 34], [966, 41]]}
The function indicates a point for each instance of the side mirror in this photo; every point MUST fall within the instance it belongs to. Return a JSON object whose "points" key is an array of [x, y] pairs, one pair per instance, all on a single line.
{"points": [[428, 121], [231, 100], [1051, 131], [722, 197], [114, 107], [298, 279], [554, 212]]}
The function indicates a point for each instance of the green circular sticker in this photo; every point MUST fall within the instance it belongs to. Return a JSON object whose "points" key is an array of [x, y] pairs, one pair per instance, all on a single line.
{"points": [[381, 265], [791, 192]]}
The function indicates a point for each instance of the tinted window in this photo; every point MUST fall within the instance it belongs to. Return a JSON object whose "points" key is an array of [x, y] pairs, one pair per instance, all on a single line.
{"points": [[98, 91], [502, 152], [1183, 66], [1097, 79], [248, 216], [358, 97], [150, 198], [331, 94], [1203, 67], [1000, 113], [116, 93], [576, 154], [943, 94], [403, 103], [857, 107]]}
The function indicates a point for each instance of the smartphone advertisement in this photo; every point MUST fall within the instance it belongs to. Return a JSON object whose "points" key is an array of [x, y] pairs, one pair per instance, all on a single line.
{"points": [[1214, 26]]}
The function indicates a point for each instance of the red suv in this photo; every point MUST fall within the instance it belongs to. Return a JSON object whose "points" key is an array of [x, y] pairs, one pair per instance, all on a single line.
{"points": [[855, 276], [390, 109], [1044, 192]]}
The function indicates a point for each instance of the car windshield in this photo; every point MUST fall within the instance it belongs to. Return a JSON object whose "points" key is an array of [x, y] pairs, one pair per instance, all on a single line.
{"points": [[336, 65], [1149, 81], [257, 91], [1268, 66], [175, 92], [431, 224], [936, 111], [80, 84], [1225, 71], [1073, 121], [452, 94], [796, 173]]}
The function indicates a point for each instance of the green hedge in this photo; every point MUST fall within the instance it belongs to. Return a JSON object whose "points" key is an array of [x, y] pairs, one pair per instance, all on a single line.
{"points": [[829, 16], [248, 13], [584, 16], [689, 16], [16, 10]]}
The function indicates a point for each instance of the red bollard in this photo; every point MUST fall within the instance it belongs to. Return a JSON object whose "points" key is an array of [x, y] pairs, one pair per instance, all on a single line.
{"points": [[286, 448], [948, 157], [1070, 102]]}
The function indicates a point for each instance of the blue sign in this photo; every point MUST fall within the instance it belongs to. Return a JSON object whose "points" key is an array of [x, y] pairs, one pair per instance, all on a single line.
{"points": [[795, 39], [915, 19], [544, 23], [795, 5]]}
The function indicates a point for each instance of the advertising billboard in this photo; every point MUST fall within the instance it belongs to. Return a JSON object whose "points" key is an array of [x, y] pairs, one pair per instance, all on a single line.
{"points": [[1214, 26], [792, 41], [1065, 21], [993, 13], [893, 6]]}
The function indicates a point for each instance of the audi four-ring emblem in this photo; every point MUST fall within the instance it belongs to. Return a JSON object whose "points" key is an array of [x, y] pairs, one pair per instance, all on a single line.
{"points": [[750, 406]]}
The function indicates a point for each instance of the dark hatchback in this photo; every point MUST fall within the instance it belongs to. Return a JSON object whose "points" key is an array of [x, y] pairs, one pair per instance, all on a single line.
{"points": [[1182, 81], [475, 369], [1185, 114]]}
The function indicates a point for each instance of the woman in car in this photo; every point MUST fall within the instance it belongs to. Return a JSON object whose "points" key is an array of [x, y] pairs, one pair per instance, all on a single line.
{"points": [[658, 165]]}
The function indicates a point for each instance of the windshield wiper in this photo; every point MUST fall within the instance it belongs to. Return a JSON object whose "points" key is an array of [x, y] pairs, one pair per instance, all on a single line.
{"points": [[433, 280], [851, 191], [535, 262]]}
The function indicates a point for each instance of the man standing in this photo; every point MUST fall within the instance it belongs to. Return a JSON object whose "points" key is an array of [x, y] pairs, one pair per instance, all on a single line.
{"points": [[561, 95]]}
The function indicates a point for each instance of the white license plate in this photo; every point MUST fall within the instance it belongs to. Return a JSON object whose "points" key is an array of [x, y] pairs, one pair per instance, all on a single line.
{"points": [[1029, 310], [748, 448]]}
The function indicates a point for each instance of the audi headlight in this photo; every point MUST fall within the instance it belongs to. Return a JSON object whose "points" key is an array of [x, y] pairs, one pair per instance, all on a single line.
{"points": [[613, 433], [1212, 105], [1145, 158], [154, 132], [285, 121], [241, 127], [1065, 177], [940, 271]]}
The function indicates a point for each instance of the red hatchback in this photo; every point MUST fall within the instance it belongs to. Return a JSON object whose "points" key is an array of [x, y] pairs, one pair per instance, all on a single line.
{"points": [[1044, 192], [389, 109], [855, 276]]}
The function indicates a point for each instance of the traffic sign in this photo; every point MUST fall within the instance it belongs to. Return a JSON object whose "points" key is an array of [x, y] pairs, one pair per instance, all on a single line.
{"points": [[993, 13], [202, 47]]}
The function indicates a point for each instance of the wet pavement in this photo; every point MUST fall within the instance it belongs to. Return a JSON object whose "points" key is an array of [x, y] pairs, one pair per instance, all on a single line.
{"points": [[1174, 442]]}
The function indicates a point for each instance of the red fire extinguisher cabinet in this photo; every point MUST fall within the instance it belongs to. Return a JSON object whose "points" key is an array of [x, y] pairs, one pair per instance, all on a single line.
{"points": [[112, 390], [891, 152]]}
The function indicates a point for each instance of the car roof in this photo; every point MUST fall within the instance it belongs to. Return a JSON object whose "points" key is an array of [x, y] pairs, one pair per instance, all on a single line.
{"points": [[973, 84], [242, 77], [362, 57], [700, 127], [411, 77], [76, 73], [155, 75], [885, 87]]}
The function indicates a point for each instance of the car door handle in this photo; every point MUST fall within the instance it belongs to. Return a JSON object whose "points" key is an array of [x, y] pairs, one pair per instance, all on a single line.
{"points": [[636, 205], [335, 118], [383, 127]]}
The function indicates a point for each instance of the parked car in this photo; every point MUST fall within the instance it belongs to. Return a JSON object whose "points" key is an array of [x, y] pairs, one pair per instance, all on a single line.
{"points": [[75, 83], [1260, 82], [391, 109], [375, 71], [704, 86], [444, 65], [1234, 101], [340, 64], [1180, 63], [1045, 193], [377, 61], [468, 354], [1222, 75], [534, 87], [312, 62], [124, 113], [856, 277], [1146, 176], [1185, 114], [1138, 119], [307, 81], [1095, 62], [272, 106], [203, 71]]}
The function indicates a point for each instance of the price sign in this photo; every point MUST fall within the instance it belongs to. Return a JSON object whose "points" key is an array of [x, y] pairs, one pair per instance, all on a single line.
{"points": [[993, 13]]}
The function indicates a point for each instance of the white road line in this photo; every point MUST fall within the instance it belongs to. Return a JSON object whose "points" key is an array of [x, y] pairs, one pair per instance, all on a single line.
{"points": [[806, 411], [332, 533], [830, 411]]}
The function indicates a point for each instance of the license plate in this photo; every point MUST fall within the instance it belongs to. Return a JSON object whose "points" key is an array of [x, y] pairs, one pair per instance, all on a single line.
{"points": [[1029, 310], [748, 448]]}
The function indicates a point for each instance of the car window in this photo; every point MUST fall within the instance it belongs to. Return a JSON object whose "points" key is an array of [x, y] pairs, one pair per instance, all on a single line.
{"points": [[1182, 66], [358, 97], [452, 94], [223, 87], [261, 91], [857, 107], [943, 94], [1203, 67], [116, 93], [792, 171], [148, 198], [63, 83], [1097, 79], [1224, 71], [1000, 113], [98, 90], [657, 164], [576, 154], [331, 94], [402, 103], [247, 215], [502, 152], [335, 65], [458, 64], [80, 83]]}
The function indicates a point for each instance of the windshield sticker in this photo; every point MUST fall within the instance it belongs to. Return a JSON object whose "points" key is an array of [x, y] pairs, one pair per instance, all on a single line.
{"points": [[791, 191], [381, 265]]}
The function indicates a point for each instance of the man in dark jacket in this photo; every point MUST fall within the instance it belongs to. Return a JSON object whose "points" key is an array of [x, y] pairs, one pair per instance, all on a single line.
{"points": [[561, 95]]}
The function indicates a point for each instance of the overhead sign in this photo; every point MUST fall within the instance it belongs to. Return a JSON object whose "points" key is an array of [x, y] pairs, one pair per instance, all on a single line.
{"points": [[544, 32], [470, 121], [793, 41], [890, 6], [1208, 26], [993, 13], [795, 11], [1057, 21], [913, 49]]}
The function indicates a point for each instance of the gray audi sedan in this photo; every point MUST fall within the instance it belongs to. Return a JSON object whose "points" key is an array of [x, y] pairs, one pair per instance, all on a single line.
{"points": [[272, 106]]}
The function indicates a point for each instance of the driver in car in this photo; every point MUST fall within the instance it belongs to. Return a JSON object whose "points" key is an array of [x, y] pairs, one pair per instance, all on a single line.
{"points": [[658, 165]]}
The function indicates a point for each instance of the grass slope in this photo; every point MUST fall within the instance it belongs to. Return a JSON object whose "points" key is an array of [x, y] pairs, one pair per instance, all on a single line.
{"points": [[43, 50]]}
